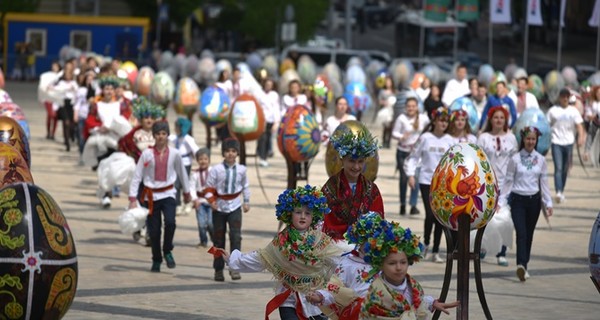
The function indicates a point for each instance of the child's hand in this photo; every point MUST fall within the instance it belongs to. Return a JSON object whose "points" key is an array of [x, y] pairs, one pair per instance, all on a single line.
{"points": [[214, 206], [224, 253], [443, 306], [246, 207], [133, 204], [196, 204]]}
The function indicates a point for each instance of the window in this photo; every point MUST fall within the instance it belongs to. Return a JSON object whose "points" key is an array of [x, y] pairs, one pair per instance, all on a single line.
{"points": [[81, 40], [37, 38]]}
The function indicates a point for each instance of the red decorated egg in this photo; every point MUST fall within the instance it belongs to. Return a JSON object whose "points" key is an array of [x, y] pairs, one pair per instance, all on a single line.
{"points": [[299, 137], [187, 96], [131, 71], [464, 183], [144, 81], [246, 118], [39, 262], [13, 134]]}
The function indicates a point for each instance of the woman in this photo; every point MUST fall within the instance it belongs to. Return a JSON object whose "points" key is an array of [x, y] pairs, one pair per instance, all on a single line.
{"points": [[499, 144], [592, 115], [349, 194], [433, 101], [293, 97], [384, 94], [407, 129], [528, 186], [271, 109], [51, 107], [428, 150], [68, 85], [459, 127], [341, 114]]}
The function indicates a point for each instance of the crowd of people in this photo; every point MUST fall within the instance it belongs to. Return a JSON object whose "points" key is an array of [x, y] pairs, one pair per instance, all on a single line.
{"points": [[127, 140]]}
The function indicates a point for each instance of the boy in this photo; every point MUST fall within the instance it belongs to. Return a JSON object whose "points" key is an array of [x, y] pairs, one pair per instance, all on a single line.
{"points": [[225, 183], [197, 185], [158, 168]]}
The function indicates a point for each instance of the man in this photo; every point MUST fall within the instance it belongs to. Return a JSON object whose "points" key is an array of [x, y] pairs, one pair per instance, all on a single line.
{"points": [[524, 99], [564, 119], [500, 98], [457, 87]]}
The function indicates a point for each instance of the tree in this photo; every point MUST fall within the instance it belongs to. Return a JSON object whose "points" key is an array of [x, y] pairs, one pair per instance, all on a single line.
{"points": [[260, 18], [16, 6]]}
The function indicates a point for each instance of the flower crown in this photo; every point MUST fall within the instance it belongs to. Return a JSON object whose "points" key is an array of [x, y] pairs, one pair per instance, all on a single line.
{"points": [[109, 81], [458, 113], [389, 237], [361, 145], [359, 232], [301, 196], [439, 112], [143, 107], [527, 130]]}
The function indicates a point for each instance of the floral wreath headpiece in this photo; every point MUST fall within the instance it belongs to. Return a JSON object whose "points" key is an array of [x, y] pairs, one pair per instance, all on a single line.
{"points": [[389, 237], [356, 146], [301, 196], [525, 131], [108, 81], [143, 107], [458, 113], [439, 112], [359, 232]]}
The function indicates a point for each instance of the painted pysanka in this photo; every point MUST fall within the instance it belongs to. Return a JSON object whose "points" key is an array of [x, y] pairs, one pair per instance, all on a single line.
{"points": [[214, 105], [187, 96], [299, 136], [162, 88], [333, 162], [38, 262], [464, 183], [144, 81]]}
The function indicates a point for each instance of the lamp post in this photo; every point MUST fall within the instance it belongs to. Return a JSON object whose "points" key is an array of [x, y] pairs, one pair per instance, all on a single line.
{"points": [[158, 5]]}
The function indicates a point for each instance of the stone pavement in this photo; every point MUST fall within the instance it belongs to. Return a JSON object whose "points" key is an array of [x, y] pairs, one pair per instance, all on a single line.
{"points": [[115, 282]]}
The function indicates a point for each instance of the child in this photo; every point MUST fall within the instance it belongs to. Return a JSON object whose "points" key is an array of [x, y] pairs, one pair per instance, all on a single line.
{"points": [[225, 183], [301, 257], [158, 168], [197, 185], [394, 294], [187, 147], [343, 295]]}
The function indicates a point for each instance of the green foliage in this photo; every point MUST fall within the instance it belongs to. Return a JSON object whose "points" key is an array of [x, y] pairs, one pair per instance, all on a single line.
{"points": [[179, 10], [16, 6]]}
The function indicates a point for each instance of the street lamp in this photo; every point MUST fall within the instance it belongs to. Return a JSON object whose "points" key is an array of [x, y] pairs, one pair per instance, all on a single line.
{"points": [[158, 4]]}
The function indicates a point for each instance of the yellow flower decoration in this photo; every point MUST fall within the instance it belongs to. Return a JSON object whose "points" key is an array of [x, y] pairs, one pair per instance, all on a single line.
{"points": [[447, 204], [490, 203], [489, 179], [481, 155]]}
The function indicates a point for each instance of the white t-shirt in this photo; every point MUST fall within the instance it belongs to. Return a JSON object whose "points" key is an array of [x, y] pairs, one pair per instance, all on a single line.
{"points": [[455, 89], [429, 150], [332, 123], [271, 107], [405, 125], [563, 122]]}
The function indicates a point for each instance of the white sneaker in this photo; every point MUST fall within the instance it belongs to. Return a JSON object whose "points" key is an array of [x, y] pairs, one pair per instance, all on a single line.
{"points": [[437, 259], [426, 253], [179, 210], [502, 261], [106, 202], [527, 276], [560, 197], [263, 163], [188, 208], [521, 272]]}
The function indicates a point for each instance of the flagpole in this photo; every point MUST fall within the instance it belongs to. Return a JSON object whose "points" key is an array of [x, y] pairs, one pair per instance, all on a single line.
{"points": [[455, 44], [490, 44], [422, 31], [559, 49], [526, 38]]}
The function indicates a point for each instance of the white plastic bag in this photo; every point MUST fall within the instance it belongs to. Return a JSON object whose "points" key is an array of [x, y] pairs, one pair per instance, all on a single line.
{"points": [[499, 232], [133, 220], [116, 170]]}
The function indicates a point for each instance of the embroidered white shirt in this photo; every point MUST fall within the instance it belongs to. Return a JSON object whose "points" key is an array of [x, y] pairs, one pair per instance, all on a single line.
{"points": [[499, 149], [428, 150], [405, 125], [229, 180], [526, 175]]}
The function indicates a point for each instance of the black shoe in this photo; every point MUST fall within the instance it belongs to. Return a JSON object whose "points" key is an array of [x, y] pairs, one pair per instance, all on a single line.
{"points": [[219, 276], [414, 210], [155, 267], [170, 260], [402, 210]]}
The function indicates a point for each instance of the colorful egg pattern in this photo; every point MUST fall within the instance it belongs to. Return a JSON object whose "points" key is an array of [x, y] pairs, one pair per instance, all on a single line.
{"points": [[187, 96], [214, 105], [299, 137], [13, 134], [246, 119]]}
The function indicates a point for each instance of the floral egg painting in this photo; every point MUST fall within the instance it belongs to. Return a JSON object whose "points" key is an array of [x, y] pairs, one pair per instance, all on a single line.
{"points": [[464, 183], [299, 137], [38, 264]]}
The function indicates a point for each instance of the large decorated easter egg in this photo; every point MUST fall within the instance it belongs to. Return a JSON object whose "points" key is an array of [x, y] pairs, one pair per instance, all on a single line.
{"points": [[286, 64], [4, 96], [417, 80], [13, 134], [246, 119], [358, 97], [187, 96], [464, 183], [333, 163], [485, 74], [13, 168], [131, 71], [12, 110], [380, 79], [534, 117], [214, 105], [594, 250], [332, 71], [307, 69], [465, 104], [497, 77], [432, 72], [162, 88], [270, 64], [356, 74], [143, 81], [535, 85], [299, 137], [402, 72], [39, 262], [285, 79], [553, 82], [207, 71], [1, 79]]}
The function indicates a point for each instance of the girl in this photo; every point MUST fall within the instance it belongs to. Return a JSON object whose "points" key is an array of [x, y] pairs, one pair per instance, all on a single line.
{"points": [[341, 114], [293, 97], [528, 186], [187, 147], [271, 109], [394, 294], [499, 144], [349, 194], [68, 85], [300, 257], [388, 90], [433, 101], [51, 107], [85, 95], [407, 129], [428, 150], [459, 127]]}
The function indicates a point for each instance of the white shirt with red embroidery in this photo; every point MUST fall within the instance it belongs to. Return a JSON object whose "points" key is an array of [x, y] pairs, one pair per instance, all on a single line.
{"points": [[352, 271], [156, 174]]}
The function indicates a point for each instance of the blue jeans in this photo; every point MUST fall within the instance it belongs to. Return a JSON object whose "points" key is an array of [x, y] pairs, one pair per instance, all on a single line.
{"points": [[561, 156], [80, 139], [525, 211], [220, 222], [414, 193], [205, 223], [153, 222]]}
